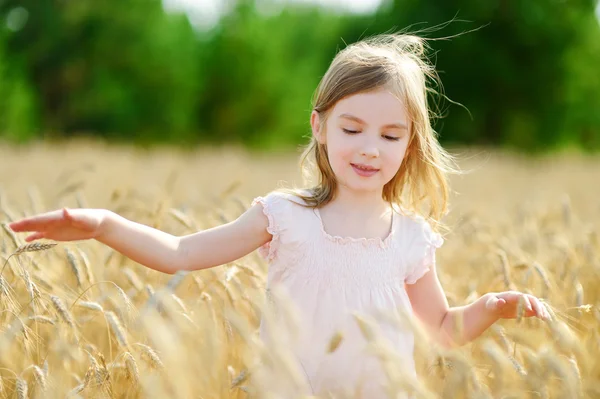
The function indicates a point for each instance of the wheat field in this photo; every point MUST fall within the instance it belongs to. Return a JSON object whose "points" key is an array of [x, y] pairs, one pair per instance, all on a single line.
{"points": [[80, 320]]}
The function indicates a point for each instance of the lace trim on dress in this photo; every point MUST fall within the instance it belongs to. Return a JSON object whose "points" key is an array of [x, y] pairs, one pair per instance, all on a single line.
{"points": [[382, 243], [269, 250], [433, 241]]}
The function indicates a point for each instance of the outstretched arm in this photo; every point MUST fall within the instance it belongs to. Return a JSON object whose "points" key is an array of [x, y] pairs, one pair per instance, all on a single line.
{"points": [[225, 243], [459, 325], [149, 246]]}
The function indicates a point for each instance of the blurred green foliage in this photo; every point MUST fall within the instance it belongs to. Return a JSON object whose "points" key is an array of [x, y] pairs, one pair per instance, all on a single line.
{"points": [[528, 73]]}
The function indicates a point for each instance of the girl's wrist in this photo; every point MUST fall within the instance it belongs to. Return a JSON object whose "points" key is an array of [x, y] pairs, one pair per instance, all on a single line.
{"points": [[106, 226], [492, 314]]}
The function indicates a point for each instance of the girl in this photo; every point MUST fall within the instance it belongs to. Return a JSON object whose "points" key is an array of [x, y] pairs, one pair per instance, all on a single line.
{"points": [[355, 242]]}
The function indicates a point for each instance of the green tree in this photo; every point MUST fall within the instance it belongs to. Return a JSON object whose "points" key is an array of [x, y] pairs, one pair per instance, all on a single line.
{"points": [[17, 99], [118, 69], [263, 72], [528, 75]]}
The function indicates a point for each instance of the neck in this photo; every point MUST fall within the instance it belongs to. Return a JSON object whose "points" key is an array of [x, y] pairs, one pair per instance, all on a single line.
{"points": [[362, 202]]}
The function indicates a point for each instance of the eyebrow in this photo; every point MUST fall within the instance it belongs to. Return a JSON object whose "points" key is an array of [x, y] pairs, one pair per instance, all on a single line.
{"points": [[391, 125]]}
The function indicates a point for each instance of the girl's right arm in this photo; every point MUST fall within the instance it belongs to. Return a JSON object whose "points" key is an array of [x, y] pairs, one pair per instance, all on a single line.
{"points": [[151, 247]]}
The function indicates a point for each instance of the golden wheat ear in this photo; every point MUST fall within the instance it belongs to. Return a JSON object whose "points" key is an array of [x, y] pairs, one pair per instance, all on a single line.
{"points": [[33, 247]]}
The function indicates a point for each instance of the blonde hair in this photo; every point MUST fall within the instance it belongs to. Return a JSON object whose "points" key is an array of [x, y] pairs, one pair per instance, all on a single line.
{"points": [[397, 63]]}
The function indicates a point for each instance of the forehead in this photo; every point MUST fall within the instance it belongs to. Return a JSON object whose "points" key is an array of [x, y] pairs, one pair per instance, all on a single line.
{"points": [[378, 107]]}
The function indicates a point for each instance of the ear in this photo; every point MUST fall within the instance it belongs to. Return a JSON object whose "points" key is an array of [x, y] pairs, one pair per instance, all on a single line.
{"points": [[315, 124]]}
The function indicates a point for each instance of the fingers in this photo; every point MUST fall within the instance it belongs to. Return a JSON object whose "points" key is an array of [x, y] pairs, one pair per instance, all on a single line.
{"points": [[35, 222], [532, 305], [540, 310], [35, 236]]}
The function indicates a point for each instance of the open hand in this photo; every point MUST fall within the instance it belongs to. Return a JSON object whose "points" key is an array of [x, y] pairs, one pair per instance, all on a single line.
{"points": [[62, 225], [506, 305]]}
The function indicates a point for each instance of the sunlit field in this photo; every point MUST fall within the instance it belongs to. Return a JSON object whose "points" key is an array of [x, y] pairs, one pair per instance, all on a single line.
{"points": [[80, 320]]}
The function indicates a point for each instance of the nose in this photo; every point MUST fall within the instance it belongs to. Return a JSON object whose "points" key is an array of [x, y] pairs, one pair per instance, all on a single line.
{"points": [[369, 149], [370, 152]]}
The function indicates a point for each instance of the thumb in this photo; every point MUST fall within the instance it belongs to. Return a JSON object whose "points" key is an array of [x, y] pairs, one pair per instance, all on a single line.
{"points": [[495, 303], [67, 215]]}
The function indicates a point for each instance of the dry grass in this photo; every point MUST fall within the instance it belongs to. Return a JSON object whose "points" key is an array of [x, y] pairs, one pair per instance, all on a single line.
{"points": [[83, 321]]}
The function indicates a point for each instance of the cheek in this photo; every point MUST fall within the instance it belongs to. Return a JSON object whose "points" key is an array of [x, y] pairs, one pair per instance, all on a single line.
{"points": [[395, 158], [339, 152], [336, 159]]}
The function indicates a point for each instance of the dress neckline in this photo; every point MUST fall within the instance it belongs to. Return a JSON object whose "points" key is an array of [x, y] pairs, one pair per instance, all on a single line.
{"points": [[382, 243]]}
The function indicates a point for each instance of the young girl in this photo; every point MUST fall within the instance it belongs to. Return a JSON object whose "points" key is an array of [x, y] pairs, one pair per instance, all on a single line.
{"points": [[355, 242]]}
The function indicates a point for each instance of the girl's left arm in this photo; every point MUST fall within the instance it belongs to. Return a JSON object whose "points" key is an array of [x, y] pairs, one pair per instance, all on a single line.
{"points": [[459, 325]]}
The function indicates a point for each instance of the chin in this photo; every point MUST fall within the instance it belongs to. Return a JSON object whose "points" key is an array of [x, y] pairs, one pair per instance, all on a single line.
{"points": [[364, 189]]}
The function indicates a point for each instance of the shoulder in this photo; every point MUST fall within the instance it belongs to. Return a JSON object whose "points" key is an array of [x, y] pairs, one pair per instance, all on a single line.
{"points": [[285, 197], [286, 222], [417, 229], [283, 208]]}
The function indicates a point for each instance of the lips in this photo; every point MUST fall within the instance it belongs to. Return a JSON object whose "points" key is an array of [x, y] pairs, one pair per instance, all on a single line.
{"points": [[366, 168]]}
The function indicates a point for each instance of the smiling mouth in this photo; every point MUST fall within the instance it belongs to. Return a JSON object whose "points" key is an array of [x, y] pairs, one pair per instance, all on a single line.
{"points": [[366, 168]]}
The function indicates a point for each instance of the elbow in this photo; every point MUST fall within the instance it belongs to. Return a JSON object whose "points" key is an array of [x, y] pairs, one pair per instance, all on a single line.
{"points": [[184, 260], [180, 261]]}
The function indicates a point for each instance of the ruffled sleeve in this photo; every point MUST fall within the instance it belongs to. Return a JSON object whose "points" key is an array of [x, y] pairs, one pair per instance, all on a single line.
{"points": [[422, 251], [277, 209]]}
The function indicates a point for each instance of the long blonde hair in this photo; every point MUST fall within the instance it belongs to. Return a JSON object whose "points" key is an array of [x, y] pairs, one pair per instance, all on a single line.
{"points": [[397, 63]]}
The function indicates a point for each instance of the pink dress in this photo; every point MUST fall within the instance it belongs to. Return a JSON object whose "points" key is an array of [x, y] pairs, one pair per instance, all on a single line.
{"points": [[325, 279]]}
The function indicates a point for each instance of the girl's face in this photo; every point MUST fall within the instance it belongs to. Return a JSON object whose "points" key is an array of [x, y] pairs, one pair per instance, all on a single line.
{"points": [[366, 135]]}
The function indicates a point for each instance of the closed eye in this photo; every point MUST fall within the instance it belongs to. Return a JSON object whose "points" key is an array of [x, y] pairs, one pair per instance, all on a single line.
{"points": [[390, 138]]}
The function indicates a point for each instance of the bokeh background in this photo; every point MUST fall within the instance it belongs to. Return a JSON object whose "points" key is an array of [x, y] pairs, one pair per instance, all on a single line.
{"points": [[176, 114], [525, 73]]}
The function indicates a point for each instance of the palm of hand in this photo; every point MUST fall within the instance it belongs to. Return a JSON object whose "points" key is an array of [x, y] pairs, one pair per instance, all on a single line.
{"points": [[62, 225], [513, 304]]}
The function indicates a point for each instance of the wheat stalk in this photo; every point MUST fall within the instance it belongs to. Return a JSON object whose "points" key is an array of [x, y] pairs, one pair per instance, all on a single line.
{"points": [[182, 218], [42, 319], [106, 374], [33, 247], [579, 294], [91, 305], [97, 371], [240, 379], [74, 266], [129, 308], [544, 276], [64, 314], [76, 390], [11, 234], [505, 269], [335, 342], [151, 355], [117, 328], [40, 378], [133, 279], [30, 285], [86, 266], [132, 368], [21, 388], [365, 326], [521, 306]]}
